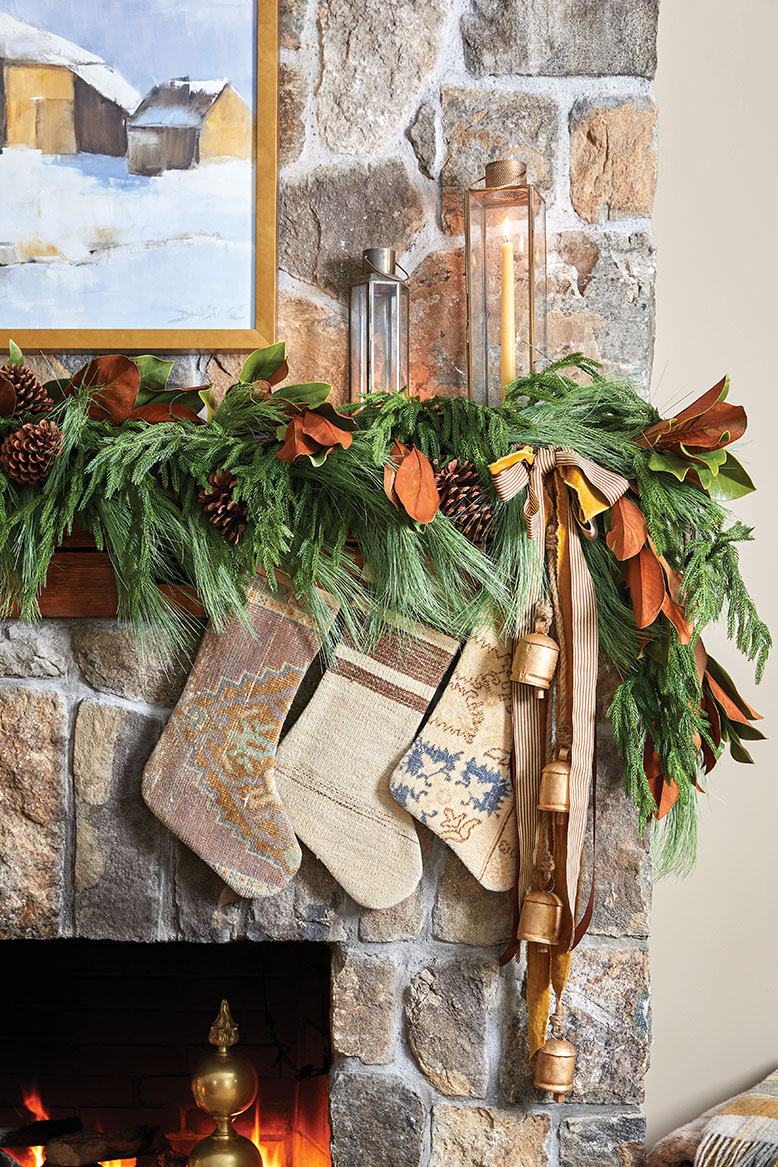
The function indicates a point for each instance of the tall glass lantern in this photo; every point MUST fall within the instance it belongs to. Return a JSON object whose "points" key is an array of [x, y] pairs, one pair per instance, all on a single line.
{"points": [[379, 325], [505, 233]]}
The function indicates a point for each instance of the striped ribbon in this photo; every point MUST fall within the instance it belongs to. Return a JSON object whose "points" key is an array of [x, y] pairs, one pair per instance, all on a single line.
{"points": [[598, 491]]}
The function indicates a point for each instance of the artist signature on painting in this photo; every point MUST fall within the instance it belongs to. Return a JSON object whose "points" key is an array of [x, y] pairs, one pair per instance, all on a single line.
{"points": [[207, 312]]}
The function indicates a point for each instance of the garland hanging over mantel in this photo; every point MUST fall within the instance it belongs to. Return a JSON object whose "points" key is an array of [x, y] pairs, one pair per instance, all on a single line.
{"points": [[389, 507]]}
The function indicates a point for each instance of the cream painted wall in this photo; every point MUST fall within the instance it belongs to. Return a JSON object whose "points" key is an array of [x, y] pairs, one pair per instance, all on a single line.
{"points": [[714, 940]]}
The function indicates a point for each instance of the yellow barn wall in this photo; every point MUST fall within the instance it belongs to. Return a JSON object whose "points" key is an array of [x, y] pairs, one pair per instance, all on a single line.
{"points": [[228, 130], [40, 108]]}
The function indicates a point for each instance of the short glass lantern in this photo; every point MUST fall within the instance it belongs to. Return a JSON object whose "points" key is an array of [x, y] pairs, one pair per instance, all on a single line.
{"points": [[379, 325], [505, 238]]}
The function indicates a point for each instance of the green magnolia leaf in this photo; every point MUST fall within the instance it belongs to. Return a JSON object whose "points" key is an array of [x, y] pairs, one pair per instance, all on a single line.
{"points": [[154, 374], [712, 459], [339, 419], [56, 389], [281, 431], [724, 680], [732, 481], [749, 732], [188, 397], [740, 753], [670, 464], [15, 354], [313, 394], [262, 363]]}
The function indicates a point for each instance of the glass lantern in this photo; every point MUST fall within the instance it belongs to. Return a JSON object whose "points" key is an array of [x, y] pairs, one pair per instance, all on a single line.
{"points": [[379, 325], [505, 238]]}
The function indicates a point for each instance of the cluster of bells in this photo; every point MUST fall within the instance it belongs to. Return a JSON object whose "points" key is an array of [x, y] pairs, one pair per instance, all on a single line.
{"points": [[540, 922]]}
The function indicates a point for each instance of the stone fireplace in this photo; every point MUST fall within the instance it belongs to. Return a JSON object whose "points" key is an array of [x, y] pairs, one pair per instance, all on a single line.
{"points": [[388, 113]]}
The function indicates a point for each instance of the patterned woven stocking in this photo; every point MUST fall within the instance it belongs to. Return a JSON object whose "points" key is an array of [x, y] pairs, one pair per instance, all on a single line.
{"points": [[456, 777], [210, 778], [333, 767]]}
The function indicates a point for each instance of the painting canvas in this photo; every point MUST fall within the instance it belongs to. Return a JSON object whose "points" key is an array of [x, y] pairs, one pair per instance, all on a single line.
{"points": [[128, 170]]}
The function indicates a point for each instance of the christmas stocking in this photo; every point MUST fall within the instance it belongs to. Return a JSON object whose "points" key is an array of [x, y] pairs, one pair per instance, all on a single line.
{"points": [[210, 778], [456, 777], [333, 767]]}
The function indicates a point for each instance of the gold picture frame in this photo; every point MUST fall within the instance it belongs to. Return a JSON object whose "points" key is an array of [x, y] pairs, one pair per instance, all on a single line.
{"points": [[266, 131]]}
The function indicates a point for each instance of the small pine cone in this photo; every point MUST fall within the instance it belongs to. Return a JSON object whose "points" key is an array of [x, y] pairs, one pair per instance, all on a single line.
{"points": [[31, 397], [464, 500], [28, 454], [226, 513]]}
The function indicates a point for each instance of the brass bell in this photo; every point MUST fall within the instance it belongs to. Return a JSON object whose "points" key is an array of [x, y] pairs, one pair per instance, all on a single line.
{"points": [[224, 1084], [555, 1067], [541, 918], [554, 792], [534, 660]]}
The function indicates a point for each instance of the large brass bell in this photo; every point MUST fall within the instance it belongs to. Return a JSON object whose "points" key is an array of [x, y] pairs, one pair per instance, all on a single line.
{"points": [[555, 1067], [534, 660], [224, 1084], [554, 792], [541, 918]]}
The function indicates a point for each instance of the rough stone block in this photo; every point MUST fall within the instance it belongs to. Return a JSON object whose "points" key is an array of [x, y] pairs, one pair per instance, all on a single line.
{"points": [[562, 37], [32, 810], [292, 97], [364, 998], [446, 1012], [316, 336], [601, 300], [480, 1136], [515, 1071], [331, 214], [482, 125], [438, 322], [205, 908], [423, 138], [26, 650], [465, 913], [374, 69], [402, 922], [375, 1119], [308, 908], [120, 846], [613, 158], [109, 661], [602, 1141], [291, 18]]}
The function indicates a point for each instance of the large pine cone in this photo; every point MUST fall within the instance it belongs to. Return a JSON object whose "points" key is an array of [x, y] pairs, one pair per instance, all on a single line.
{"points": [[28, 454], [31, 397], [226, 513], [464, 500]]}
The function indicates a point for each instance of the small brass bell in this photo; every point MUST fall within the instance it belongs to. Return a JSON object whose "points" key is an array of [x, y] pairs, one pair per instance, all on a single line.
{"points": [[224, 1084], [554, 792], [541, 918], [534, 660], [555, 1067]]}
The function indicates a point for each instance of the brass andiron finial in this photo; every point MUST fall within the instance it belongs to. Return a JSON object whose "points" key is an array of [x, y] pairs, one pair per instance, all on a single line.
{"points": [[224, 1084]]}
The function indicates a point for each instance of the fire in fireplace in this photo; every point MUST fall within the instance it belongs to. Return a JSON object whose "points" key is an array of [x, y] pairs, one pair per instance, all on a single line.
{"points": [[101, 1039]]}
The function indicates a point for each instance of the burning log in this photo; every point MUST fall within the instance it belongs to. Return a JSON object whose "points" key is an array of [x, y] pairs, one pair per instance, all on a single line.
{"points": [[87, 1147], [37, 1134]]}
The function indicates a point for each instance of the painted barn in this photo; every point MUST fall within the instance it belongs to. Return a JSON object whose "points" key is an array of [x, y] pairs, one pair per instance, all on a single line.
{"points": [[184, 123], [57, 97]]}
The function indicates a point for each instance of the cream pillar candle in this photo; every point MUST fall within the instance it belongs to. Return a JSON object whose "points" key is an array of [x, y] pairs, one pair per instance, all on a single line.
{"points": [[508, 315]]}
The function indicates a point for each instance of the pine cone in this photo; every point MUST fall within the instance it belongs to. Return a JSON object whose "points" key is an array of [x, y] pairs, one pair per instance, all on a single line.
{"points": [[464, 500], [226, 513], [28, 454], [31, 397]]}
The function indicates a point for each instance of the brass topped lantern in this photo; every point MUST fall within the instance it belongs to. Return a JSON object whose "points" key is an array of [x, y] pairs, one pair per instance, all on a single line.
{"points": [[224, 1084], [379, 325], [505, 234]]}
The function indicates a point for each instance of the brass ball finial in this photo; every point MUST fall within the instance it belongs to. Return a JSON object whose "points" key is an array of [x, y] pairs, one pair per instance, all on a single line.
{"points": [[224, 1031], [224, 1084]]}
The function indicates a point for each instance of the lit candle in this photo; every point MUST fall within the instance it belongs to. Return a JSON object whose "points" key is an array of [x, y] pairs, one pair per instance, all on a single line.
{"points": [[508, 319]]}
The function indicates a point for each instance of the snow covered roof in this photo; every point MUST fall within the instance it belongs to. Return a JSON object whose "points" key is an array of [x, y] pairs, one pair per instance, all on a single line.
{"points": [[23, 43], [178, 103]]}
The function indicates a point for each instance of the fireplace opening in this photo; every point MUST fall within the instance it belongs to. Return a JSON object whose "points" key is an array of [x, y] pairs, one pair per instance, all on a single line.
{"points": [[107, 1035]]}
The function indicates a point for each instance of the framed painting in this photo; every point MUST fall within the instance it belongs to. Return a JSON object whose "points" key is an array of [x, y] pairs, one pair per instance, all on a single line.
{"points": [[138, 174]]}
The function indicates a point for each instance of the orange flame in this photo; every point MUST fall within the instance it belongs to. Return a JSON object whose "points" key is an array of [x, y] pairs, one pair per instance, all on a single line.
{"points": [[271, 1156], [31, 1098]]}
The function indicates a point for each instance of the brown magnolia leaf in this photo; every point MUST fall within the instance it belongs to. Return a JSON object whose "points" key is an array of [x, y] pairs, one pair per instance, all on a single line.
{"points": [[665, 792], [398, 451], [7, 398], [651, 436], [323, 431], [646, 582], [118, 379], [671, 605], [700, 660], [157, 411], [717, 428], [416, 488], [711, 711], [628, 531], [726, 703], [722, 678], [296, 442], [281, 373]]}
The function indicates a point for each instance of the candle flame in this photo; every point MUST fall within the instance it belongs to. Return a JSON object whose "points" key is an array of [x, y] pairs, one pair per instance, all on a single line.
{"points": [[507, 229]]}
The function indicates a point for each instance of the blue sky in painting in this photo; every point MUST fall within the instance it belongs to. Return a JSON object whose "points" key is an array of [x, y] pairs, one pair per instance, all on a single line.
{"points": [[150, 41]]}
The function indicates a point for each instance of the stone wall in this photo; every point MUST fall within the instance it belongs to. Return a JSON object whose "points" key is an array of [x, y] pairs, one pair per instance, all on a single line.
{"points": [[388, 113]]}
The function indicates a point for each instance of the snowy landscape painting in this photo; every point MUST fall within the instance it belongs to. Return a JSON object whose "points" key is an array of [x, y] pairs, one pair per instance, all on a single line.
{"points": [[127, 181]]}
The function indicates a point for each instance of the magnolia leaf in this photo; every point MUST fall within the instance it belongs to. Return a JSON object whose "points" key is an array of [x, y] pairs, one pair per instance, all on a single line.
{"points": [[341, 420], [731, 482], [669, 464], [748, 732], [658, 647], [646, 582], [157, 411], [724, 680], [727, 707], [700, 660], [713, 459], [677, 617], [297, 443], [15, 354], [324, 431], [713, 713], [7, 398], [314, 394], [415, 486], [398, 452], [263, 363], [702, 405], [57, 389], [154, 374], [117, 380], [739, 752], [720, 426], [628, 530], [206, 396]]}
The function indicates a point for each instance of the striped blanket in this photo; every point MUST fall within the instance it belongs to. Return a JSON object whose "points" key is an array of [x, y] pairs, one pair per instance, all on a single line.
{"points": [[744, 1133]]}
